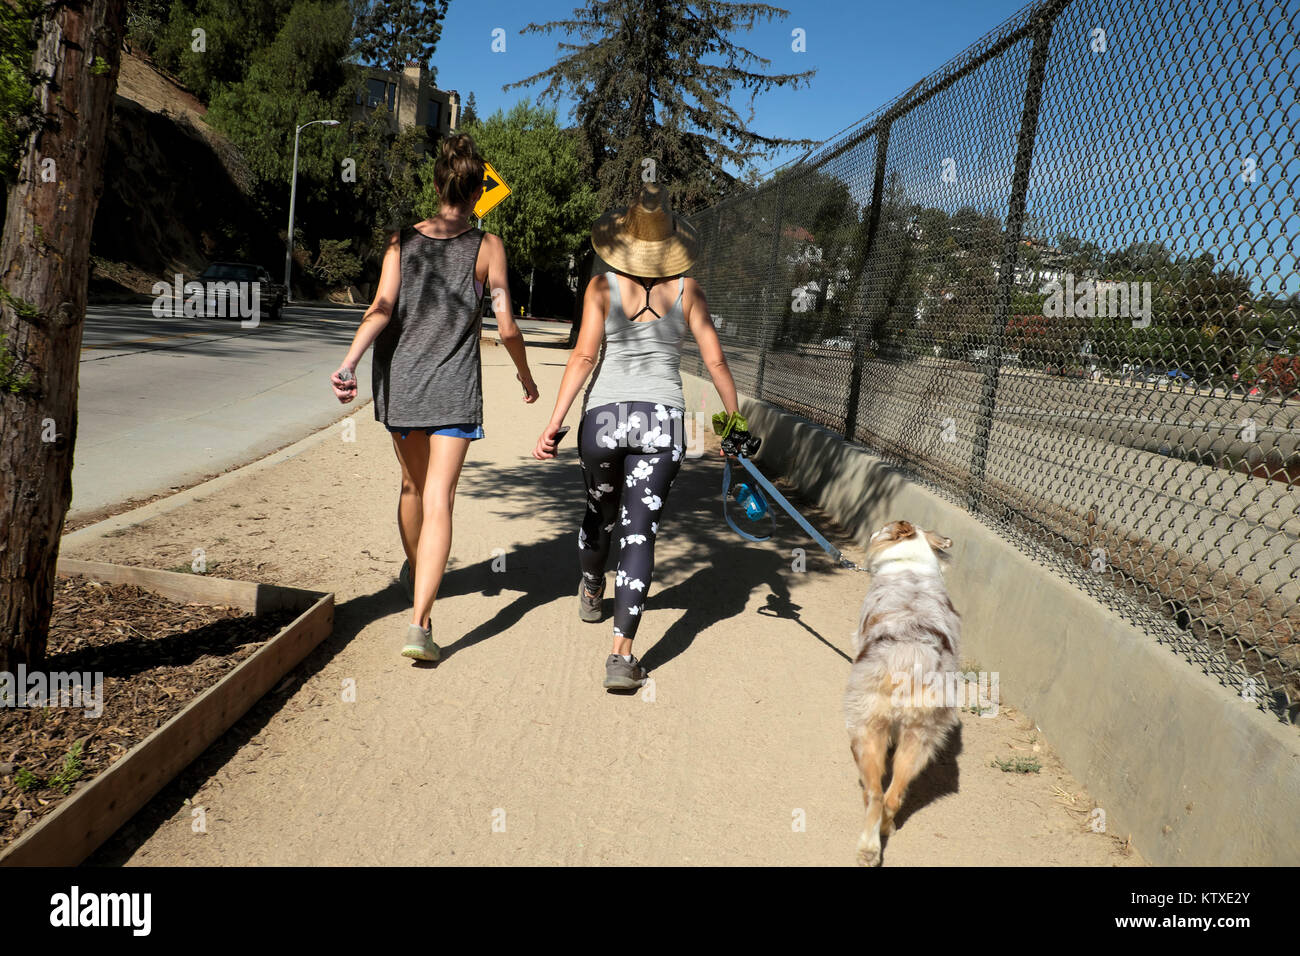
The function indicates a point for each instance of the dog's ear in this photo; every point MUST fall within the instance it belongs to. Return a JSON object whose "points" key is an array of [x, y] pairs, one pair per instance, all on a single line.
{"points": [[896, 531], [889, 535], [938, 542]]}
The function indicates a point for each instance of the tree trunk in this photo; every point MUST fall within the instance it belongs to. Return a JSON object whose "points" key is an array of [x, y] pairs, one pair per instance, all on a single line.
{"points": [[531, 276], [586, 264], [44, 267]]}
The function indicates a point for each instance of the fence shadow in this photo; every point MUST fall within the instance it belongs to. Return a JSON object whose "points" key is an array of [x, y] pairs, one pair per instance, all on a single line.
{"points": [[715, 572]]}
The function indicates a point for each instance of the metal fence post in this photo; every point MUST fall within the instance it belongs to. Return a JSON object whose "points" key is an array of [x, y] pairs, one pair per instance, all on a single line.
{"points": [[1147, 490], [768, 296], [1010, 244], [873, 224]]}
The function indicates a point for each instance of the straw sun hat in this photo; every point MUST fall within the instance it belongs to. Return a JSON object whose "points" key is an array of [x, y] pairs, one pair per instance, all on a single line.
{"points": [[646, 239]]}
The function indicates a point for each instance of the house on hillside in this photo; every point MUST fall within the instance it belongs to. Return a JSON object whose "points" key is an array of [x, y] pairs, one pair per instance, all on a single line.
{"points": [[1043, 263], [410, 96], [1039, 263]]}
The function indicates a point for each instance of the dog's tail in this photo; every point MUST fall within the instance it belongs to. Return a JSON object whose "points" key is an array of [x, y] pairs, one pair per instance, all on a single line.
{"points": [[919, 676]]}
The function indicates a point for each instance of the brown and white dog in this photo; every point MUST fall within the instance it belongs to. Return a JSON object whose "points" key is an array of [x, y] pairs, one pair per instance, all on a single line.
{"points": [[906, 644]]}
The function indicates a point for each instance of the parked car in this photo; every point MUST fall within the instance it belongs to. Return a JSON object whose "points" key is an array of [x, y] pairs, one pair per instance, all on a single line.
{"points": [[838, 343], [271, 294]]}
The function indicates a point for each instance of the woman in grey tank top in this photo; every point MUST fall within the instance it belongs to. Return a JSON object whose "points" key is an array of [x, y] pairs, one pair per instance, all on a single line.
{"points": [[631, 436], [427, 380]]}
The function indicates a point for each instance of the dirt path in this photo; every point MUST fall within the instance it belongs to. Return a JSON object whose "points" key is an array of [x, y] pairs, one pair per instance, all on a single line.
{"points": [[509, 751]]}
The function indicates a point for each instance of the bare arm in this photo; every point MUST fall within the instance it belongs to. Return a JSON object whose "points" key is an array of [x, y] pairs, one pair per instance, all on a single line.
{"points": [[507, 328], [706, 337], [578, 369], [373, 322]]}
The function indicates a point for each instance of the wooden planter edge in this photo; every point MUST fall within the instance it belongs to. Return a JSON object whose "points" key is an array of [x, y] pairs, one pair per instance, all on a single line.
{"points": [[87, 818]]}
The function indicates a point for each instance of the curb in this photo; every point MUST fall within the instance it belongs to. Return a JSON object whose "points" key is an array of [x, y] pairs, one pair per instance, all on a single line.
{"points": [[152, 510]]}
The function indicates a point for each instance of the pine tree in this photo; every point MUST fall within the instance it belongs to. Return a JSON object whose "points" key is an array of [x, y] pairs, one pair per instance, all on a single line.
{"points": [[392, 33], [470, 113], [233, 32], [652, 81], [44, 266]]}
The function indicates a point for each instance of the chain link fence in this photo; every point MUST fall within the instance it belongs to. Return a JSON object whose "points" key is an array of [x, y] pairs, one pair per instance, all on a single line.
{"points": [[1056, 281]]}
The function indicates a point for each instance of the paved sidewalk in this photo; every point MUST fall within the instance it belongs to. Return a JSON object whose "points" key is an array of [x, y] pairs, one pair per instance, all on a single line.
{"points": [[509, 750]]}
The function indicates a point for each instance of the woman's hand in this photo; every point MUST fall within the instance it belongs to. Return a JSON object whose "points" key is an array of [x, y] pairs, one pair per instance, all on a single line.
{"points": [[546, 444], [345, 387], [741, 443], [530, 388]]}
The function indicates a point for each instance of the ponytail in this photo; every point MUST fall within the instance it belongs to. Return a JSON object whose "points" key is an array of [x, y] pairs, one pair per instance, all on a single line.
{"points": [[458, 171]]}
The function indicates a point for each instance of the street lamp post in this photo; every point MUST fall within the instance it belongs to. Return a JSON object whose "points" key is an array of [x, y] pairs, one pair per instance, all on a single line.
{"points": [[293, 194]]}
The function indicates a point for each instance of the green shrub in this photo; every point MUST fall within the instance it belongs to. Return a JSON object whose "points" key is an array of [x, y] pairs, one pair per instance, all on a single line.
{"points": [[336, 265], [17, 102], [1017, 765], [71, 771]]}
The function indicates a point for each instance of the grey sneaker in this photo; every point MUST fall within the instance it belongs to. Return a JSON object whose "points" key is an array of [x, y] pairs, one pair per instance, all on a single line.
{"points": [[623, 675], [419, 644], [589, 607]]}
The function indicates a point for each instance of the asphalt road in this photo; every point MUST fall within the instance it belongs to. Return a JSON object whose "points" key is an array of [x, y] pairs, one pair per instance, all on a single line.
{"points": [[1127, 454], [165, 402]]}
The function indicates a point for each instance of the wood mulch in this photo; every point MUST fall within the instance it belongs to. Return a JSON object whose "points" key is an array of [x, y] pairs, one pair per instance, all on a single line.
{"points": [[155, 656]]}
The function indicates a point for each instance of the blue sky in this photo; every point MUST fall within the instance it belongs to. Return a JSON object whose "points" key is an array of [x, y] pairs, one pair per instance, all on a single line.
{"points": [[865, 53], [1107, 165]]}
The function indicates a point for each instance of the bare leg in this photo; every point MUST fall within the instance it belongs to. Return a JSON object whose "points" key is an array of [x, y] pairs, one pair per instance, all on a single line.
{"points": [[446, 456], [870, 744], [413, 456]]}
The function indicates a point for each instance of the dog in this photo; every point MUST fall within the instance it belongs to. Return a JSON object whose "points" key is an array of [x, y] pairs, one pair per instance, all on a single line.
{"points": [[907, 642]]}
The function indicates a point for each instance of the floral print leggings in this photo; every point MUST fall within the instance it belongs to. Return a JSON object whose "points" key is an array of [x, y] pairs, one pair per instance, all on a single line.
{"points": [[631, 452]]}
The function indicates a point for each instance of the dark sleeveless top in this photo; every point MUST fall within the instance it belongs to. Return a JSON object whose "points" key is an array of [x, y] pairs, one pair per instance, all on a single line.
{"points": [[426, 369]]}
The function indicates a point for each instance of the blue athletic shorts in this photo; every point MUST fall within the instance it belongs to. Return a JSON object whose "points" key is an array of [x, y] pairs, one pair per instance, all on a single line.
{"points": [[464, 430]]}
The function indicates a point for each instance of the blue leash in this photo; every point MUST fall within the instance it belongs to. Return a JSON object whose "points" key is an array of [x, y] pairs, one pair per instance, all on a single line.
{"points": [[789, 509], [726, 485]]}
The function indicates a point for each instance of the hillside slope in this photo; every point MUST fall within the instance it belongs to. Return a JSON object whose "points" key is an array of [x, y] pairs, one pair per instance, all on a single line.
{"points": [[176, 192]]}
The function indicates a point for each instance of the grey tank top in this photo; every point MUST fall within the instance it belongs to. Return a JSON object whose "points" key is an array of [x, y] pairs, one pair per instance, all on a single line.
{"points": [[639, 361], [426, 368]]}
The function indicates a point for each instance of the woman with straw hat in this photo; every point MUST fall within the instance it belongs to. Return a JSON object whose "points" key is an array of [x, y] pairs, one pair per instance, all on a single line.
{"points": [[631, 437]]}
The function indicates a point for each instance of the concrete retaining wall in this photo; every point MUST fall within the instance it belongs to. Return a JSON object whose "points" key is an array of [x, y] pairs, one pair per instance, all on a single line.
{"points": [[1195, 774]]}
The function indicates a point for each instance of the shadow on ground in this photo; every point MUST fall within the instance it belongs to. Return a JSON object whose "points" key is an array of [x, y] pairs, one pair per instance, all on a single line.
{"points": [[940, 777], [714, 571], [715, 575]]}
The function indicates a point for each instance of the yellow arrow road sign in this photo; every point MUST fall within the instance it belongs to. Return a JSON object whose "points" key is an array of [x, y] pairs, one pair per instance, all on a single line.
{"points": [[494, 190]]}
